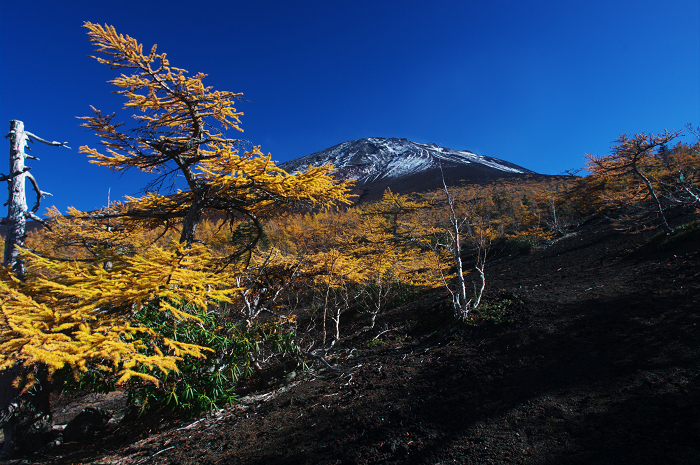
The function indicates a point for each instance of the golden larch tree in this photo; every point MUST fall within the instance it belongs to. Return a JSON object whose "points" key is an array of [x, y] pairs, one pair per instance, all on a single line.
{"points": [[629, 173]]}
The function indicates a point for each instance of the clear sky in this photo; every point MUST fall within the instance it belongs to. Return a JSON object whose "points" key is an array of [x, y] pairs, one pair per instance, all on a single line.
{"points": [[534, 82]]}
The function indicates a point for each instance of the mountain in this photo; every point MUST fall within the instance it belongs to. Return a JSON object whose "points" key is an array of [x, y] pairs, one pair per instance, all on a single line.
{"points": [[376, 163]]}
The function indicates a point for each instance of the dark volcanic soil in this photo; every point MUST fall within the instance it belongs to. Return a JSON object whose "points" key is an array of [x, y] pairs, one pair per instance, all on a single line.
{"points": [[599, 365]]}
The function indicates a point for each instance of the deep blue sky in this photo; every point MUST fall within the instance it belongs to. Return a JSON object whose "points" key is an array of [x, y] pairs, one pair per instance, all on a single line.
{"points": [[536, 83]]}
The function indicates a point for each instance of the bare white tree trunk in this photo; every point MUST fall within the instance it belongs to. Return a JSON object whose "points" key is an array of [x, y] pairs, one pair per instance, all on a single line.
{"points": [[652, 191], [378, 304], [17, 211], [459, 298], [470, 227], [482, 245], [17, 203]]}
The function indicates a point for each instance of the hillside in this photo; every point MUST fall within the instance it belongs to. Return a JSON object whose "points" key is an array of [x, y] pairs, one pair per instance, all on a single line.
{"points": [[598, 362]]}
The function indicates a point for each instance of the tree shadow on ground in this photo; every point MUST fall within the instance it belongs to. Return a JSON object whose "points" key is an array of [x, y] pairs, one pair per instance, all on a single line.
{"points": [[614, 381]]}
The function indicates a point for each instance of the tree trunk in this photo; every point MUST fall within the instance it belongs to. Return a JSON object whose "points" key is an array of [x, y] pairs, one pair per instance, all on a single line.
{"points": [[460, 302], [26, 417], [657, 202], [462, 308], [191, 221], [17, 203]]}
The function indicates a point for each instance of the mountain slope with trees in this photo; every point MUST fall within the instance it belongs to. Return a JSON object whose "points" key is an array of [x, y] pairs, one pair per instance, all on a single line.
{"points": [[594, 360]]}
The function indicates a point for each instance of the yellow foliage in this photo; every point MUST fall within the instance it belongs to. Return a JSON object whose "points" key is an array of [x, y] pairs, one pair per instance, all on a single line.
{"points": [[69, 315], [157, 88]]}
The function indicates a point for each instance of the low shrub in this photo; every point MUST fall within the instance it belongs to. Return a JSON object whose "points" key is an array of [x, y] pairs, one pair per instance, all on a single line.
{"points": [[519, 245], [203, 385], [688, 232], [495, 312], [200, 385]]}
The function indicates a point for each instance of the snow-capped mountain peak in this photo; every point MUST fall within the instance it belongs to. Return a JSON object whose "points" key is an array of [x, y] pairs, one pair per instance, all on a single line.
{"points": [[376, 158], [376, 163]]}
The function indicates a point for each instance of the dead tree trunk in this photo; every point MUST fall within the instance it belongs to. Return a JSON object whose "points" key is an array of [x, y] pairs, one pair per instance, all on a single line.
{"points": [[459, 298], [17, 203], [17, 211], [473, 227], [25, 417]]}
